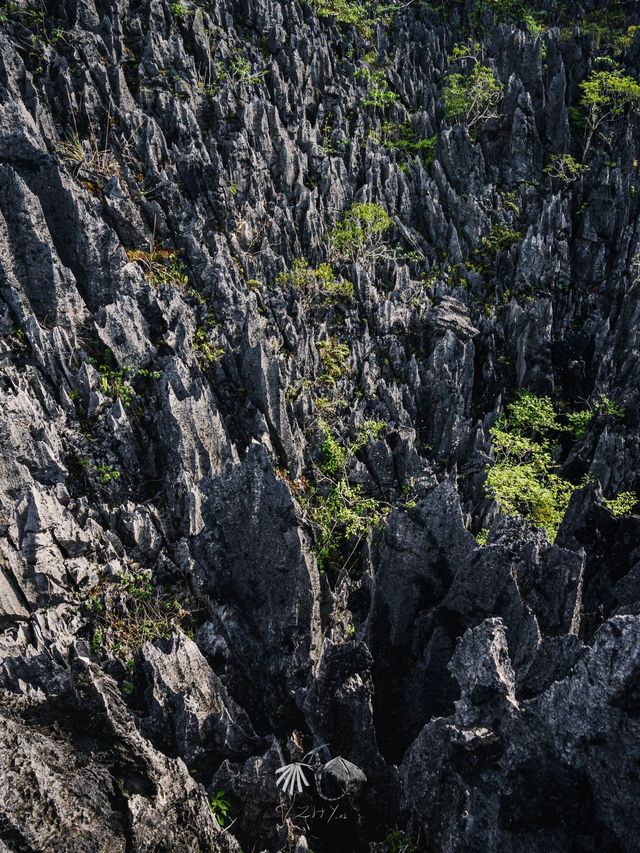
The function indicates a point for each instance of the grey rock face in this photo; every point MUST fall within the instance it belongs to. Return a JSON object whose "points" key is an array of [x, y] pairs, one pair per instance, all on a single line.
{"points": [[238, 494]]}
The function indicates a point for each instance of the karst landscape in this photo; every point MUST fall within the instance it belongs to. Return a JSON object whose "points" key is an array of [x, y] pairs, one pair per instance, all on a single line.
{"points": [[319, 426]]}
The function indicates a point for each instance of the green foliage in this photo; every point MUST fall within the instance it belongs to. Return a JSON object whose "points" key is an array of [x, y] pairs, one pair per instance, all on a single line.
{"points": [[578, 422], [179, 10], [471, 96], [622, 504], [402, 138], [501, 237], [128, 611], [317, 286], [106, 473], [379, 94], [607, 27], [607, 407], [565, 168], [340, 514], [90, 471], [531, 414], [370, 430], [518, 12], [397, 841], [482, 537], [161, 266], [345, 514], [333, 355], [117, 382], [206, 351], [31, 30], [359, 235], [219, 805], [606, 95], [236, 70], [97, 639], [334, 456], [363, 16], [522, 478]]}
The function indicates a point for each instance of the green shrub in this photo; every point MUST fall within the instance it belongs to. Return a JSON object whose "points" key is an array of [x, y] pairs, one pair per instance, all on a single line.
{"points": [[531, 414], [482, 536], [318, 285], [161, 266], [607, 407], [578, 422], [379, 94], [340, 514], [128, 611], [606, 95], [334, 358], [219, 805], [106, 473], [622, 504], [522, 478], [565, 168], [360, 233], [202, 346], [402, 138], [334, 456], [501, 237], [235, 70], [364, 17], [117, 382], [472, 96]]}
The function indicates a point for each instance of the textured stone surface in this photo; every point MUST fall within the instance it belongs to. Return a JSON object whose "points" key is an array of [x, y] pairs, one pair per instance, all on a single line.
{"points": [[166, 631]]}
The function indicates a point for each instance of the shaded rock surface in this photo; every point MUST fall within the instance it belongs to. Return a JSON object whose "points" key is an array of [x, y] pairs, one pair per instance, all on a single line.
{"points": [[178, 615]]}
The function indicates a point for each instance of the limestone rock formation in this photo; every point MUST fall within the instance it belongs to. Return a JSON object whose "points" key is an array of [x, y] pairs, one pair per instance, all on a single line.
{"points": [[269, 292]]}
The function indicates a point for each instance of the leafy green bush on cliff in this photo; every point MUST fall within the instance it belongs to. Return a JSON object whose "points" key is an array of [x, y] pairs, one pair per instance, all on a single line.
{"points": [[340, 513], [360, 234], [607, 95], [472, 95], [361, 16], [522, 477], [316, 285], [622, 504]]}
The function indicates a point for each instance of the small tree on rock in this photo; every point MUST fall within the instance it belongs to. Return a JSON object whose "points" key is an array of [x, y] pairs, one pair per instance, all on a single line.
{"points": [[473, 96], [360, 234], [606, 95]]}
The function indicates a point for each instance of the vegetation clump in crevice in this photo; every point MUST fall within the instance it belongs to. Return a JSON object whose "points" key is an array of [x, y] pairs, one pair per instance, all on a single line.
{"points": [[334, 355], [472, 95], [317, 286], [402, 138], [522, 477], [360, 234], [365, 17], [622, 504], [206, 351], [161, 266], [606, 95], [127, 611], [341, 515], [378, 94], [118, 382]]}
